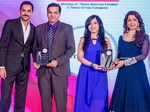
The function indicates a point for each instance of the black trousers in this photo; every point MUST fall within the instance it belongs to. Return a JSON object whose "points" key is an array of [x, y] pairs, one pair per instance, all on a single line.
{"points": [[1, 109], [51, 85], [20, 79]]}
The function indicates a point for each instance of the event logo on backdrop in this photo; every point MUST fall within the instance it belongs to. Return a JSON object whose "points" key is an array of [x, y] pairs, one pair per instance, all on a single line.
{"points": [[88, 4]]}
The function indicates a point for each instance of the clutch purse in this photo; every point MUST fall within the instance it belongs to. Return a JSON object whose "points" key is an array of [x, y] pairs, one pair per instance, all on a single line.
{"points": [[42, 57], [106, 58]]}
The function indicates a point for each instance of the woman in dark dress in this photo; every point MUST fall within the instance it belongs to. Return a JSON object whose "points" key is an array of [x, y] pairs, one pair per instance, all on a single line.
{"points": [[132, 91], [92, 84]]}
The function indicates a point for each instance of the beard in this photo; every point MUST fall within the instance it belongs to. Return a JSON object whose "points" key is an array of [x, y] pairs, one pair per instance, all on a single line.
{"points": [[25, 18]]}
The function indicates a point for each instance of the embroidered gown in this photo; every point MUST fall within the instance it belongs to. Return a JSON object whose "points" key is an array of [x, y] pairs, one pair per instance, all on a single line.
{"points": [[132, 90]]}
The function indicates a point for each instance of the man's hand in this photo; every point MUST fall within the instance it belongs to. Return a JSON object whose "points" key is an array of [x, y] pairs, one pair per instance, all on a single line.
{"points": [[36, 66], [3, 73], [52, 64]]}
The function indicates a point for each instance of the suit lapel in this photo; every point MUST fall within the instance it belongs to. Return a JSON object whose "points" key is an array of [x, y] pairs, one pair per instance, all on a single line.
{"points": [[57, 32], [20, 31], [44, 35]]}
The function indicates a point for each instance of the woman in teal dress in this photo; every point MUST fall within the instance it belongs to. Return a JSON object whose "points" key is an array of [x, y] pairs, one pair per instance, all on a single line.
{"points": [[92, 84], [132, 91]]}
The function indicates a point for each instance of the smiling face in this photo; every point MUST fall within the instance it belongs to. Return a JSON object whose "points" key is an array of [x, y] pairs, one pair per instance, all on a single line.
{"points": [[93, 26], [132, 22], [53, 14], [26, 12]]}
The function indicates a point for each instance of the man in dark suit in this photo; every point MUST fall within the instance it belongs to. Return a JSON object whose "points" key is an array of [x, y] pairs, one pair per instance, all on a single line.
{"points": [[15, 47], [53, 77]]}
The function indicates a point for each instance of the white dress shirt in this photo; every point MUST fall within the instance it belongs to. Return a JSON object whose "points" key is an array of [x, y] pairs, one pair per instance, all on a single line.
{"points": [[26, 31]]}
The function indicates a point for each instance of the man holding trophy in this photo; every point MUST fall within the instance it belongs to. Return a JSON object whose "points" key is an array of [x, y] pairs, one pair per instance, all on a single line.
{"points": [[53, 47]]}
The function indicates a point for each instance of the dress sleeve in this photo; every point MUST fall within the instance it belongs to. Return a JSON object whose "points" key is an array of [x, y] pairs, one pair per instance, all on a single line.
{"points": [[144, 51], [142, 56]]}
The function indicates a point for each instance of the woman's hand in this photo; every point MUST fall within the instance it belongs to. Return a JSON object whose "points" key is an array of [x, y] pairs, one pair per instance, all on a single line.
{"points": [[95, 66], [113, 66], [98, 67], [119, 64]]}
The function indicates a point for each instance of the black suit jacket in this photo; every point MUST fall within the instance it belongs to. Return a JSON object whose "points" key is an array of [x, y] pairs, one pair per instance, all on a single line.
{"points": [[63, 47], [12, 46]]}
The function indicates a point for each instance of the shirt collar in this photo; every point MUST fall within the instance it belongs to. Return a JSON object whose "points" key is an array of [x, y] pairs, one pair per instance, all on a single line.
{"points": [[24, 26], [54, 25]]}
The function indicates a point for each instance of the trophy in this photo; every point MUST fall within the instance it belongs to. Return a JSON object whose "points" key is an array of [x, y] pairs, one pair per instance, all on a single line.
{"points": [[106, 58], [42, 57]]}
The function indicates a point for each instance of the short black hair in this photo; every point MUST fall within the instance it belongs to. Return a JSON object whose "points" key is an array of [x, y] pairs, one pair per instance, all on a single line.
{"points": [[54, 5], [26, 3]]}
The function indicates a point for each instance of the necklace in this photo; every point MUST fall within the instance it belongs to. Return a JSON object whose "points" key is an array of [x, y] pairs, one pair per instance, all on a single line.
{"points": [[131, 33]]}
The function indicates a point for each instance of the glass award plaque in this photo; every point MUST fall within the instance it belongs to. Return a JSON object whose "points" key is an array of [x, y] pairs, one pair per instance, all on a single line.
{"points": [[42, 57], [106, 58]]}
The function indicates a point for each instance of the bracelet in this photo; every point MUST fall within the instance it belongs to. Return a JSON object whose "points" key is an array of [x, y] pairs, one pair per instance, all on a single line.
{"points": [[130, 61], [92, 65]]}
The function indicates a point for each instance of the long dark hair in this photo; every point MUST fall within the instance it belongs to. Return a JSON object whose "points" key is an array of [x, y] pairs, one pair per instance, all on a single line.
{"points": [[140, 33], [87, 33]]}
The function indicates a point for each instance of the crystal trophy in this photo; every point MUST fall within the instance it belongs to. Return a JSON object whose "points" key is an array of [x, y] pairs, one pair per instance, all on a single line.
{"points": [[106, 58], [43, 57]]}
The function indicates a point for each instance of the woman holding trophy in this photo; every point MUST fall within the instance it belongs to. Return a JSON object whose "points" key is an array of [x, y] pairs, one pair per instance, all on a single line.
{"points": [[132, 91], [92, 84]]}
